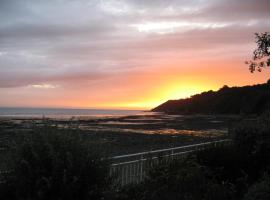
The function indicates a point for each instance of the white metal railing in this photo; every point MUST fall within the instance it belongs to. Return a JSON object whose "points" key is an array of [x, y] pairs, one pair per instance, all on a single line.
{"points": [[131, 168]]}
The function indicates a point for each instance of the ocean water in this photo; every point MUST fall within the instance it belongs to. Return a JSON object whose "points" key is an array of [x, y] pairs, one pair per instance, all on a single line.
{"points": [[64, 113]]}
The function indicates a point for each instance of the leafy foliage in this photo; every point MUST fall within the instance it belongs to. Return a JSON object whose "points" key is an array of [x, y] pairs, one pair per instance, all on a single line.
{"points": [[253, 138], [179, 179], [226, 164], [261, 55], [54, 164], [260, 190]]}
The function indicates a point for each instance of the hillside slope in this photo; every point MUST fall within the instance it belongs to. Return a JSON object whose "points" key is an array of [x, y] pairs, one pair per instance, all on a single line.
{"points": [[227, 100]]}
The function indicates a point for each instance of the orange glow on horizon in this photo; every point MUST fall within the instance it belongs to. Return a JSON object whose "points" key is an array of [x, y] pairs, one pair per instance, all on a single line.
{"points": [[144, 90], [124, 54], [173, 90]]}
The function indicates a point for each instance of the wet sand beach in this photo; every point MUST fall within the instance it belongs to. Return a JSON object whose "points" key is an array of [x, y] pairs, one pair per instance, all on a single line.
{"points": [[116, 135]]}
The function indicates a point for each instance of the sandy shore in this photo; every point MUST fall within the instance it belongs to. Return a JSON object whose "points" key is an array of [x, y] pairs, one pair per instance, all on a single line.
{"points": [[128, 134]]}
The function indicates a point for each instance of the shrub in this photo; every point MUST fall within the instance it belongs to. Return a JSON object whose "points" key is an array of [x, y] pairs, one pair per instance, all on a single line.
{"points": [[178, 179], [253, 138], [253, 135], [54, 164], [227, 164], [260, 190]]}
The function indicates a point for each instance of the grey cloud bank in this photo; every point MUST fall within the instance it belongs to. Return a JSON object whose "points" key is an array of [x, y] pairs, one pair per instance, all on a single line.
{"points": [[64, 41]]}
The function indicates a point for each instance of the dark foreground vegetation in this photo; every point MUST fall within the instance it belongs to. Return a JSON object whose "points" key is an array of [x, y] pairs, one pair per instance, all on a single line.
{"points": [[227, 100], [51, 163], [238, 171]]}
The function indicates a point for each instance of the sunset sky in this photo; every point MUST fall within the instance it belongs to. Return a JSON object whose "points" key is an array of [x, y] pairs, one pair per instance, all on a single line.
{"points": [[125, 54]]}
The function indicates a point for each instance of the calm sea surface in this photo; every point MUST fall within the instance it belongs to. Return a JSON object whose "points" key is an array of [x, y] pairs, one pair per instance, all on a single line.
{"points": [[65, 113]]}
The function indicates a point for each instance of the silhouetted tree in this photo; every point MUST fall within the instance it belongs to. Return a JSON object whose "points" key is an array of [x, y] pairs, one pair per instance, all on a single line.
{"points": [[261, 55], [227, 100]]}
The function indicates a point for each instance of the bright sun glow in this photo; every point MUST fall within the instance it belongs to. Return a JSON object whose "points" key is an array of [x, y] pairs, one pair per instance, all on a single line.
{"points": [[181, 92], [171, 91], [177, 91]]}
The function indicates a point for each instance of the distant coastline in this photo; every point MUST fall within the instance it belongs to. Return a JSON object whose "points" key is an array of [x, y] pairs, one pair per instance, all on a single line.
{"points": [[253, 99], [64, 112]]}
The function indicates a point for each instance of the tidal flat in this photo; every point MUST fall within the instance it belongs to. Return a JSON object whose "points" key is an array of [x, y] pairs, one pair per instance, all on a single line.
{"points": [[117, 135]]}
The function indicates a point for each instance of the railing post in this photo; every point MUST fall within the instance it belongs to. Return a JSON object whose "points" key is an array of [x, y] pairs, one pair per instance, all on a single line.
{"points": [[141, 170], [123, 176], [134, 170], [127, 173]]}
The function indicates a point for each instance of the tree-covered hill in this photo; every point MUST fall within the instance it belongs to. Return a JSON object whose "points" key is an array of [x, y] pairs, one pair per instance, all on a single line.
{"points": [[227, 100]]}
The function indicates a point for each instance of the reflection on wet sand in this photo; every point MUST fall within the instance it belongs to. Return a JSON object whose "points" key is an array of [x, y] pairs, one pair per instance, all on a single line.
{"points": [[195, 125], [127, 134]]}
